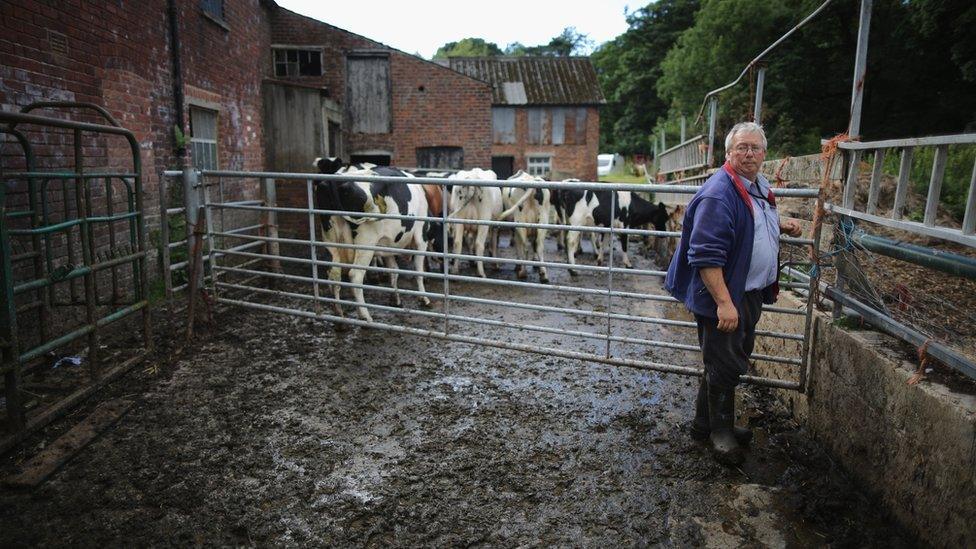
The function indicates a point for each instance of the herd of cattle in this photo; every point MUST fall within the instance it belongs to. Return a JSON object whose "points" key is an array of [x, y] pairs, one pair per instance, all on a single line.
{"points": [[355, 235]]}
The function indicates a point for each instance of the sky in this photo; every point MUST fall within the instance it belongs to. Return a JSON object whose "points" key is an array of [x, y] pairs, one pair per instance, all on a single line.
{"points": [[422, 26]]}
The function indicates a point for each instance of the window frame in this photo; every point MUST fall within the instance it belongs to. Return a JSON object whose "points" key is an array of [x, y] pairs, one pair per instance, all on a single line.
{"points": [[297, 63], [537, 158], [197, 142]]}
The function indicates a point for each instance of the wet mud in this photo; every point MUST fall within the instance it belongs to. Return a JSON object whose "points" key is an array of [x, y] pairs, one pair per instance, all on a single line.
{"points": [[279, 430]]}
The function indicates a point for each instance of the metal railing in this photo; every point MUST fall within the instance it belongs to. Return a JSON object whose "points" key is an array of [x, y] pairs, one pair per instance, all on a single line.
{"points": [[856, 152], [686, 156], [305, 294], [89, 236]]}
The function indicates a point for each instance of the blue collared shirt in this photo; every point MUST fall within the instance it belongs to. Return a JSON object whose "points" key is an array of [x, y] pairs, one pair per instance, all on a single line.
{"points": [[763, 269]]}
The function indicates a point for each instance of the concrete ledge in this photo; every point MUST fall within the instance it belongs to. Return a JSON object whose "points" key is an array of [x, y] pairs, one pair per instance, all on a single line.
{"points": [[912, 445]]}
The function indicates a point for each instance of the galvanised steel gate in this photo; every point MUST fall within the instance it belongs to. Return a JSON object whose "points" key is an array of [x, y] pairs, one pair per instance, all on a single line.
{"points": [[606, 292], [72, 253]]}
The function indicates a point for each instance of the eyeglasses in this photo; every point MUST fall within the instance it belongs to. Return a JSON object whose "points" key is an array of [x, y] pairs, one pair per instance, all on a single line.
{"points": [[743, 148]]}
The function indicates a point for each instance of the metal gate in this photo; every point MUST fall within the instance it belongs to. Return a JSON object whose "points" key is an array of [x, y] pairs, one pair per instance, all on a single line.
{"points": [[73, 252], [609, 329]]}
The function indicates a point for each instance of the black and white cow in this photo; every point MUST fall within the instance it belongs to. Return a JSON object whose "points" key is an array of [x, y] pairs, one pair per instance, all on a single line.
{"points": [[528, 206], [358, 197], [475, 203], [590, 208]]}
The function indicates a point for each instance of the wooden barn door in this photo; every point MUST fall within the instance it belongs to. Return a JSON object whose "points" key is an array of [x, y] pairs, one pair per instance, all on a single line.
{"points": [[368, 92]]}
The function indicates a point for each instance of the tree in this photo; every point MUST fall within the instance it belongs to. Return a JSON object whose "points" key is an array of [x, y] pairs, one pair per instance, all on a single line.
{"points": [[568, 42], [628, 68], [468, 47]]}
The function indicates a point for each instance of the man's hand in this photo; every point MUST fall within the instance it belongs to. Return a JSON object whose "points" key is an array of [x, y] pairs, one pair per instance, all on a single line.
{"points": [[790, 227], [728, 317]]}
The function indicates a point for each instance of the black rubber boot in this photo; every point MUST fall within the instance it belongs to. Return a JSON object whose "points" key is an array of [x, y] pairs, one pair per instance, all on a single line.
{"points": [[721, 417], [700, 426]]}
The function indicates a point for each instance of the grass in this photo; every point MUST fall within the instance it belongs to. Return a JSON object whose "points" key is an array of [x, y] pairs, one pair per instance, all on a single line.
{"points": [[622, 178]]}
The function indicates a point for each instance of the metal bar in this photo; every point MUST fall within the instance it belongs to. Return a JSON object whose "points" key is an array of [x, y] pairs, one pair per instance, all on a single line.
{"points": [[712, 120], [213, 249], [947, 262], [165, 255], [645, 365], [954, 235], [572, 185], [850, 187], [487, 322], [875, 187], [271, 221], [206, 256], [446, 281], [87, 238], [957, 139], [311, 245], [860, 69], [941, 353], [80, 332], [813, 281], [757, 108], [9, 340], [86, 176], [901, 190], [191, 201], [969, 221], [613, 217], [935, 184]]}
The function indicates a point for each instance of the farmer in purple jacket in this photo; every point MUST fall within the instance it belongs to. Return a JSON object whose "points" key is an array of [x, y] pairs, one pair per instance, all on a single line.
{"points": [[725, 268]]}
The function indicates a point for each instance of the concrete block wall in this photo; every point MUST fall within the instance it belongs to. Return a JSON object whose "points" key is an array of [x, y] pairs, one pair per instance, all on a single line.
{"points": [[912, 445]]}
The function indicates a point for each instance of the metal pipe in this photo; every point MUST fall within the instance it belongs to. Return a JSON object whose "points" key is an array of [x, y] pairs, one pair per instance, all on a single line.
{"points": [[757, 109], [712, 120], [860, 69], [947, 262]]}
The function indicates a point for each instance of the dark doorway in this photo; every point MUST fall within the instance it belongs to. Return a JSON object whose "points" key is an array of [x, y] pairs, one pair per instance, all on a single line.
{"points": [[334, 136], [378, 159], [442, 158], [503, 166]]}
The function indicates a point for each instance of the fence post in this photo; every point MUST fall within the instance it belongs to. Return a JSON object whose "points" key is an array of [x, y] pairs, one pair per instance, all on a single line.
{"points": [[757, 109], [191, 201], [9, 350], [684, 127], [712, 115], [860, 68], [270, 221]]}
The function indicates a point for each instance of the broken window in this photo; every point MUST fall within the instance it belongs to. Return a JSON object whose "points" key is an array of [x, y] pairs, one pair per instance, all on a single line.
{"points": [[294, 62]]}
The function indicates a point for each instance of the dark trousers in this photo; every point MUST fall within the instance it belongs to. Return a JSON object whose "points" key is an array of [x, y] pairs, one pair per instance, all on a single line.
{"points": [[726, 354]]}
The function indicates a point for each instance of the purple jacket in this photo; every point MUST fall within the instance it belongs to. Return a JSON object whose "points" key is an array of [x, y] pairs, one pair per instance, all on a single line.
{"points": [[717, 231]]}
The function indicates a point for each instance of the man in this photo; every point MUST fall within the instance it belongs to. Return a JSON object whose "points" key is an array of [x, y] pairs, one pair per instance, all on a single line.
{"points": [[725, 268]]}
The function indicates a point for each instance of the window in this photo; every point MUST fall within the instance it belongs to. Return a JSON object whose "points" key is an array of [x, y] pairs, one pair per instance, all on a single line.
{"points": [[537, 125], [213, 8], [203, 138], [539, 165], [503, 124], [293, 62]]}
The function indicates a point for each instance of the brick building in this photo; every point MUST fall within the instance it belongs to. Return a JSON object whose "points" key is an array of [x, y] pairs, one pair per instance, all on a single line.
{"points": [[545, 113]]}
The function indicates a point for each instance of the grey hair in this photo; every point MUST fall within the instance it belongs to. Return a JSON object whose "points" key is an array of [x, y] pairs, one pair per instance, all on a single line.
{"points": [[744, 127]]}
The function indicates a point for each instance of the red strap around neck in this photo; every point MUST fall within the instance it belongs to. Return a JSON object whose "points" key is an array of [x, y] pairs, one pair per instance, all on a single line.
{"points": [[740, 187]]}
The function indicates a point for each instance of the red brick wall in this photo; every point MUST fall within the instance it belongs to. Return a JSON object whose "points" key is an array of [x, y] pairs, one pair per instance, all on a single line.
{"points": [[576, 160], [117, 55], [450, 110]]}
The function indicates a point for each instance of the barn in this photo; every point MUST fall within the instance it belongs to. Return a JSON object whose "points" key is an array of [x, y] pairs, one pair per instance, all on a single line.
{"points": [[544, 112]]}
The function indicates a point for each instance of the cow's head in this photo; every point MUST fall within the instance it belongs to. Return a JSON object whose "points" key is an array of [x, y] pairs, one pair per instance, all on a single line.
{"points": [[349, 196]]}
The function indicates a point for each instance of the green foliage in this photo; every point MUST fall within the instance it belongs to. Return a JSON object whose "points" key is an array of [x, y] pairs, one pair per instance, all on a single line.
{"points": [[468, 47], [567, 43], [628, 68]]}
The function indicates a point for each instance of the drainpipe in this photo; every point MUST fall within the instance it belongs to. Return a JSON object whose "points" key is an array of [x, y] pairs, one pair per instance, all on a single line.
{"points": [[947, 262], [174, 39]]}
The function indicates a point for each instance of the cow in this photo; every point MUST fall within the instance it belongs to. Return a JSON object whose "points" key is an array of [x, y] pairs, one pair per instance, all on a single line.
{"points": [[528, 206], [475, 203], [358, 197], [592, 209]]}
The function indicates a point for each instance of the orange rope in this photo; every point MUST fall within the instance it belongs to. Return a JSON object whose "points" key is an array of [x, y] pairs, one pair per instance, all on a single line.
{"points": [[827, 156], [778, 176]]}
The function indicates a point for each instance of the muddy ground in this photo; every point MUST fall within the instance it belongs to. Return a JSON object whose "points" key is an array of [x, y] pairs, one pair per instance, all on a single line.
{"points": [[278, 430]]}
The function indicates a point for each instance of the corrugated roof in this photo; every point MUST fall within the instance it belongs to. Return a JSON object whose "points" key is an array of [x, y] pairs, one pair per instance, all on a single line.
{"points": [[543, 80]]}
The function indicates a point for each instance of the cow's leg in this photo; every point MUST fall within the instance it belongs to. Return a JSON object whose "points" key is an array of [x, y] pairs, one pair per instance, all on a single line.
{"points": [[458, 242], [356, 276], [418, 264], [572, 241], [493, 236], [479, 248], [597, 241], [540, 246], [521, 247], [624, 239], [335, 275], [391, 263]]}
